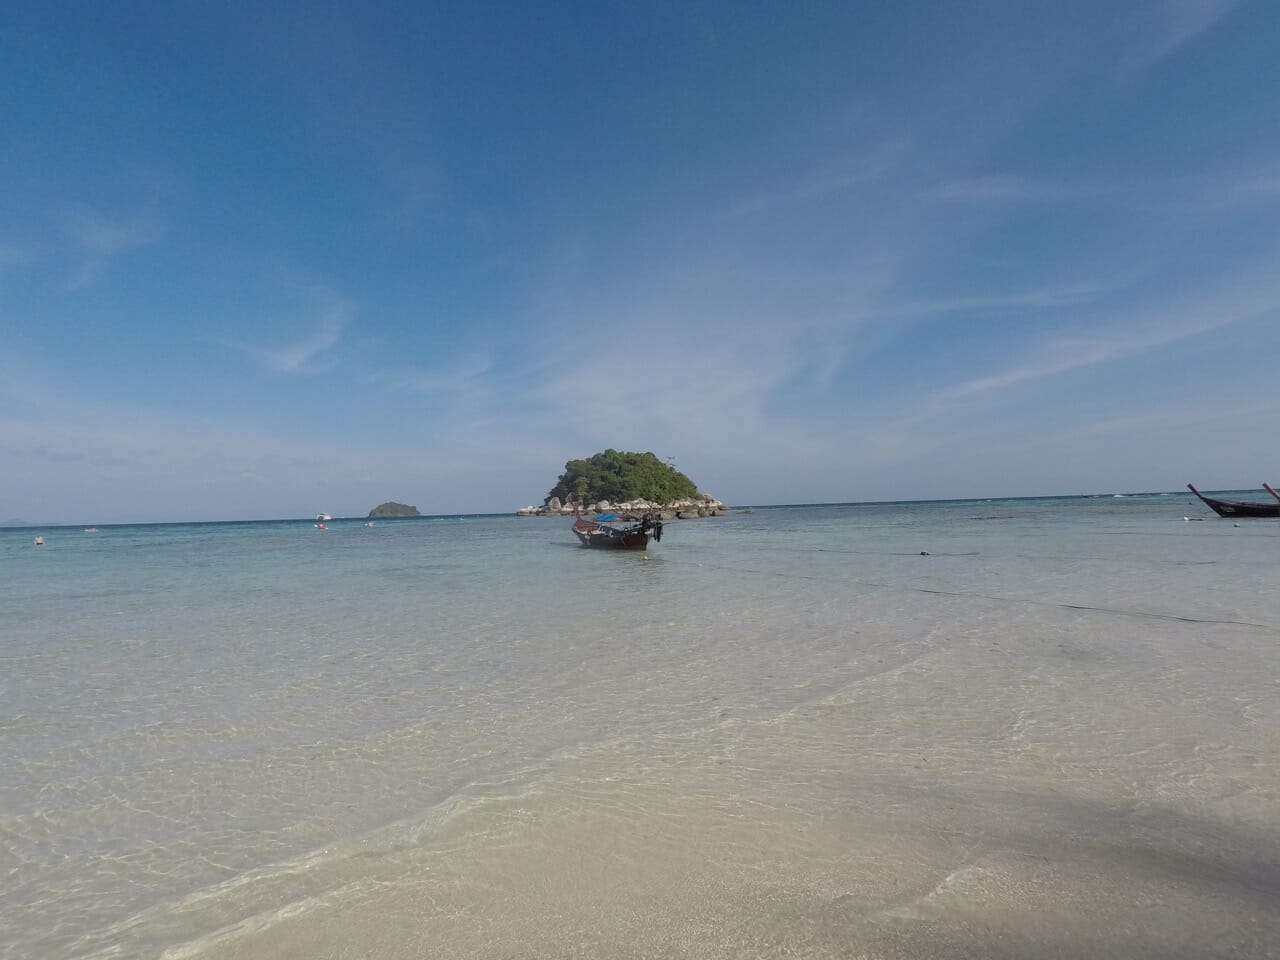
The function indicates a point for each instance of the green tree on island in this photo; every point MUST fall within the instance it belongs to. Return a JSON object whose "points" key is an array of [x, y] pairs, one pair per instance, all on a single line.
{"points": [[618, 475]]}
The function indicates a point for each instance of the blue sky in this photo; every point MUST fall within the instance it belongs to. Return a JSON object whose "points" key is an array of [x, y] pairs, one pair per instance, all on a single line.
{"points": [[267, 260]]}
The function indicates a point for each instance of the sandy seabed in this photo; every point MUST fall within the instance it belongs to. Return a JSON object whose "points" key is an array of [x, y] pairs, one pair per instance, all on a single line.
{"points": [[788, 734], [998, 785]]}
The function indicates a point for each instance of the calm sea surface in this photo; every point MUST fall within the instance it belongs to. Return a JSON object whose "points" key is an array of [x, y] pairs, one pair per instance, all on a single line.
{"points": [[785, 731]]}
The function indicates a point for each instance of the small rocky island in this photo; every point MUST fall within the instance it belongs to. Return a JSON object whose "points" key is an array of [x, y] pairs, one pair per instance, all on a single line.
{"points": [[630, 484], [393, 509]]}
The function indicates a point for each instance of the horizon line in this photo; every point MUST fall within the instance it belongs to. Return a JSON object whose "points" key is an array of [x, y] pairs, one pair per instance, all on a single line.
{"points": [[18, 524]]}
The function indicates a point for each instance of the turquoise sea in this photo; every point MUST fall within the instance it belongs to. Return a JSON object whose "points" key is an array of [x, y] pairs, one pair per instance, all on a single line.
{"points": [[1026, 729]]}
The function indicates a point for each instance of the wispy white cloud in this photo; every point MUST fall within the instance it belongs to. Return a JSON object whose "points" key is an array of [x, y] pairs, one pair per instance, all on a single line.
{"points": [[296, 356], [467, 375], [1226, 193], [886, 452], [1003, 187], [1125, 336], [179, 460], [1175, 24], [302, 355], [1207, 191], [419, 183], [1267, 185], [698, 376], [14, 253], [838, 176], [1183, 418], [99, 240], [1049, 297], [1057, 357], [675, 393], [467, 391]]}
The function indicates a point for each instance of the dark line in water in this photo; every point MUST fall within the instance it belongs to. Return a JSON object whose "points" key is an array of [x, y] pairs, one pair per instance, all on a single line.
{"points": [[885, 553], [1144, 560], [1016, 556], [984, 596], [1080, 606]]}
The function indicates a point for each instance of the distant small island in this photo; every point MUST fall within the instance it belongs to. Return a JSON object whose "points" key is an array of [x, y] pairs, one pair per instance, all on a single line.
{"points": [[393, 509]]}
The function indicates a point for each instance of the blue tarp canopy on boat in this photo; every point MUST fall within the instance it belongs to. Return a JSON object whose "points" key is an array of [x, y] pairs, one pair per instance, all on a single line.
{"points": [[606, 516]]}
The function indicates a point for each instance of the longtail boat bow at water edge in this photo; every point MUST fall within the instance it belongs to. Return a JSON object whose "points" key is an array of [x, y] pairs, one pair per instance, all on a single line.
{"points": [[1238, 508]]}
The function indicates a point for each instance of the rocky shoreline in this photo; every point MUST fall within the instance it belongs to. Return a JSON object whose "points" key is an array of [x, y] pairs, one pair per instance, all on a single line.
{"points": [[688, 509]]}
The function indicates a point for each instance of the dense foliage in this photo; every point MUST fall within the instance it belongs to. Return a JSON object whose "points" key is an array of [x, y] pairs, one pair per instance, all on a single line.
{"points": [[393, 509], [617, 476]]}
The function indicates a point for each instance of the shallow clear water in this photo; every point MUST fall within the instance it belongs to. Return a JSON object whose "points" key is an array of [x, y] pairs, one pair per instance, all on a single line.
{"points": [[783, 732]]}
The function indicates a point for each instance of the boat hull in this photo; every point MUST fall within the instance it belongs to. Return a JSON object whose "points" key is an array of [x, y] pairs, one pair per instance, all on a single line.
{"points": [[1237, 508], [592, 533], [613, 539]]}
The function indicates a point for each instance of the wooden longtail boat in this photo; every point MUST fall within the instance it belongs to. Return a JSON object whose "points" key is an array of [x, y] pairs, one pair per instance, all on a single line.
{"points": [[600, 532], [1239, 508]]}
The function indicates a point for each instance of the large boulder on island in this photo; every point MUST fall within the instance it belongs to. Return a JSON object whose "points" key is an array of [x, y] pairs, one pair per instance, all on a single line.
{"points": [[393, 509]]}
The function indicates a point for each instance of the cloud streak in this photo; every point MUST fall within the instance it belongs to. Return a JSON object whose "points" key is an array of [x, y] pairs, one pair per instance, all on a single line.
{"points": [[1179, 23], [100, 240], [465, 377], [1130, 336], [1004, 187], [303, 356]]}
